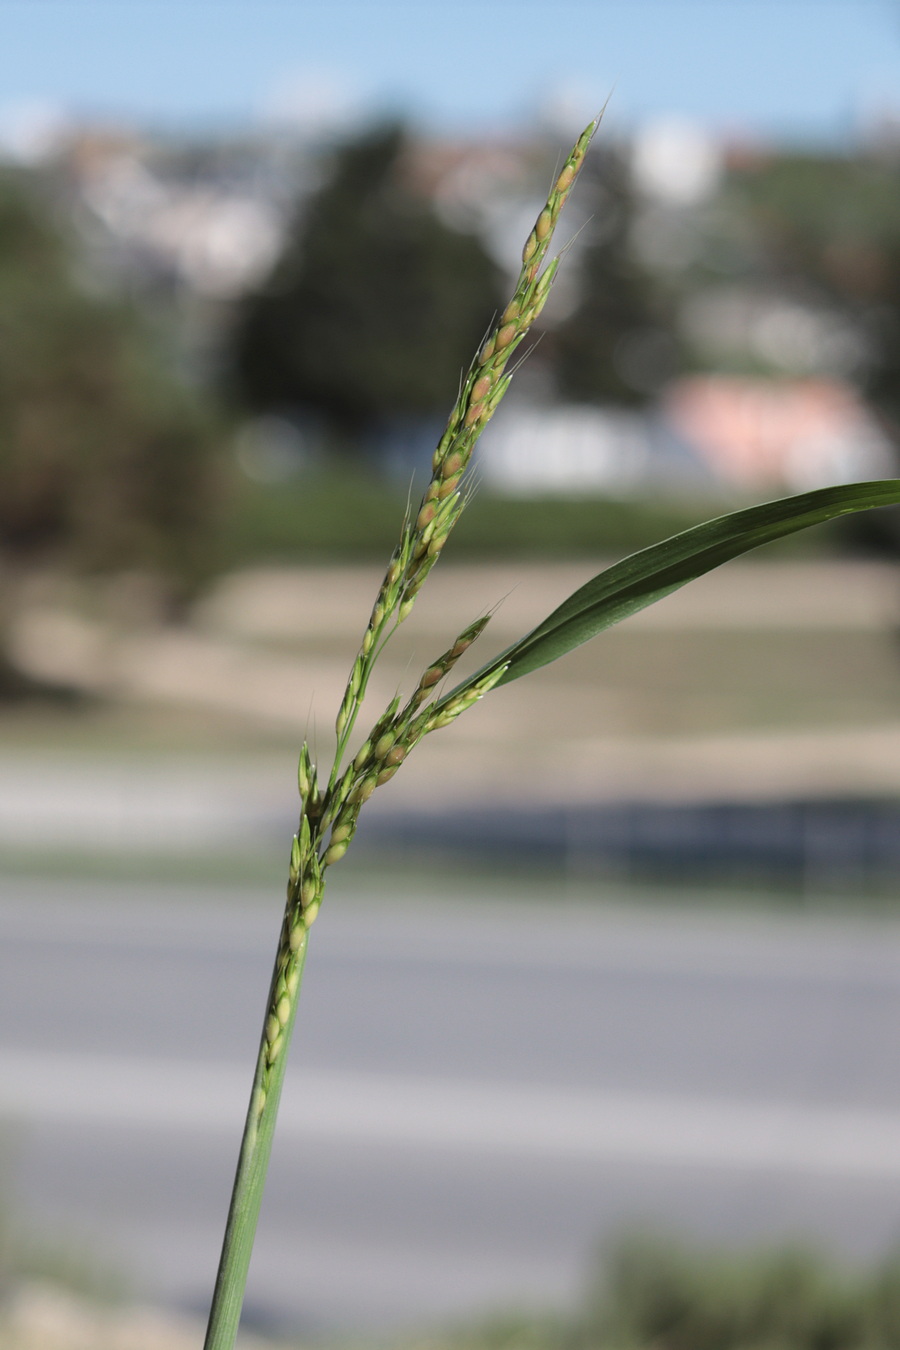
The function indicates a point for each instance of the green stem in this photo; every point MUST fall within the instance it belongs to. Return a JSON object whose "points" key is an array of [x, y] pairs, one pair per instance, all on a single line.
{"points": [[259, 1128]]}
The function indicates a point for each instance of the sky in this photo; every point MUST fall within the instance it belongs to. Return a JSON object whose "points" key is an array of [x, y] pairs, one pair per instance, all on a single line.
{"points": [[796, 70]]}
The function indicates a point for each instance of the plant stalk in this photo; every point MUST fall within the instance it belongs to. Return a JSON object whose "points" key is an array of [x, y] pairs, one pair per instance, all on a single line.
{"points": [[259, 1129]]}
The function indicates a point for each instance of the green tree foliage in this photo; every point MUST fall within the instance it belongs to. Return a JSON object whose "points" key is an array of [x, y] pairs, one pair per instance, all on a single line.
{"points": [[376, 305], [105, 457], [619, 343]]}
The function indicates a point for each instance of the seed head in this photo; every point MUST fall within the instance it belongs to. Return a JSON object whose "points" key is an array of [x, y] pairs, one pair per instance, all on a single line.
{"points": [[454, 463], [565, 179], [449, 485], [505, 336], [363, 755], [543, 225], [364, 789], [306, 774], [335, 852], [383, 745]]}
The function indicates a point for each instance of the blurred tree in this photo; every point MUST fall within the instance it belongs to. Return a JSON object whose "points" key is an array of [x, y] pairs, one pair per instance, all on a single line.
{"points": [[105, 456], [376, 306], [827, 229], [619, 343]]}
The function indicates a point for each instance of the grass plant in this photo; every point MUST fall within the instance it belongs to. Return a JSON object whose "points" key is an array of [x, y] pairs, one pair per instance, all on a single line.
{"points": [[331, 805]]}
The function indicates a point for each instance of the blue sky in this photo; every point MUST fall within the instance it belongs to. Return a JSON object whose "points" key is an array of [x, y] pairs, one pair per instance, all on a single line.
{"points": [[798, 69]]}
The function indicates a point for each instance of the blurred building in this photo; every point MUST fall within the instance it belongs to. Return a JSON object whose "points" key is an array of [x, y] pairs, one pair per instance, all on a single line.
{"points": [[706, 433]]}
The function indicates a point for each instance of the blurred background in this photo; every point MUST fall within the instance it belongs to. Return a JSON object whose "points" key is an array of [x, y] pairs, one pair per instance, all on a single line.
{"points": [[620, 951]]}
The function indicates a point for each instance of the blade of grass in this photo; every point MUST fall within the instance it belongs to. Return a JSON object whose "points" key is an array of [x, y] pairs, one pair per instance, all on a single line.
{"points": [[655, 572]]}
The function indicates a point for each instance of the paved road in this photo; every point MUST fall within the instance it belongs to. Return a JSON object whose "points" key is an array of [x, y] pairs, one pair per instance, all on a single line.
{"points": [[480, 1091]]}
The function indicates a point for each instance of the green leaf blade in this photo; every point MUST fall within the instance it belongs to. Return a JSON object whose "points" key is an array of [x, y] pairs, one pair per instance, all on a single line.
{"points": [[653, 573]]}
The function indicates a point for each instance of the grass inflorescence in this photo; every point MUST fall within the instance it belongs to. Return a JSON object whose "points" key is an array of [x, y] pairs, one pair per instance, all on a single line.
{"points": [[331, 806]]}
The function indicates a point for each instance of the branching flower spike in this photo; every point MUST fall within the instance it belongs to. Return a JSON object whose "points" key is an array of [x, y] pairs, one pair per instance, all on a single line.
{"points": [[329, 817]]}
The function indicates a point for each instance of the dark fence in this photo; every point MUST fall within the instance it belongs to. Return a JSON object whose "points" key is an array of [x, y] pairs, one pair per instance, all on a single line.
{"points": [[799, 843]]}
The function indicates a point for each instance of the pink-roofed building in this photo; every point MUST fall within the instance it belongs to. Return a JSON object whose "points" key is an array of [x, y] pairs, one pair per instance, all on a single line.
{"points": [[797, 434]]}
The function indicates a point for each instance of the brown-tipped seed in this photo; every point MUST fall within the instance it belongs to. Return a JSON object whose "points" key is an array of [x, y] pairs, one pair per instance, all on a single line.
{"points": [[426, 515], [486, 352], [395, 757], [450, 486], [512, 311], [475, 413], [335, 852], [453, 464], [465, 640], [387, 774], [431, 677], [505, 336], [543, 225], [482, 387]]}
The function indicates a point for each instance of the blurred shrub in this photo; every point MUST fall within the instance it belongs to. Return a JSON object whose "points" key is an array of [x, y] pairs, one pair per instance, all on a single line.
{"points": [[321, 516], [658, 1295], [374, 309], [106, 457], [346, 516], [664, 1295]]}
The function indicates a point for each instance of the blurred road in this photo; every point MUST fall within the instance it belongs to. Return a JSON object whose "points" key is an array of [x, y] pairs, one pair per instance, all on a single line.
{"points": [[479, 1090]]}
